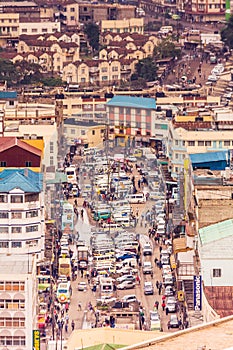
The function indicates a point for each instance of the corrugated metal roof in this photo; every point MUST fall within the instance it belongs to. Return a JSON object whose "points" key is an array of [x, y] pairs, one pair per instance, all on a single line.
{"points": [[24, 179], [132, 102], [8, 94], [209, 157], [216, 232]]}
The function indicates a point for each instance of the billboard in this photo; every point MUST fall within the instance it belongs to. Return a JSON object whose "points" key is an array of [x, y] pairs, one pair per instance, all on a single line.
{"points": [[36, 339], [197, 293]]}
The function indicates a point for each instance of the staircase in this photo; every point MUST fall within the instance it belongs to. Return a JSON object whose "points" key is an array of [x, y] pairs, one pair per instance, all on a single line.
{"points": [[188, 290]]}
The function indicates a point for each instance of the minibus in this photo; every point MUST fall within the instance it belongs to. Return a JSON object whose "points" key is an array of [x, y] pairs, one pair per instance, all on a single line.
{"points": [[138, 198]]}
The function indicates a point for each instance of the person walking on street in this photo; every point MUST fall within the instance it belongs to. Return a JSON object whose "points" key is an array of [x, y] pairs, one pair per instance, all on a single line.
{"points": [[72, 325], [157, 284], [167, 310], [163, 305]]}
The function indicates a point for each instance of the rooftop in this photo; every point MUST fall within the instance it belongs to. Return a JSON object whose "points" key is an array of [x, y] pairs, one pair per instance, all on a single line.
{"points": [[24, 179], [209, 157], [216, 232], [132, 102], [9, 142]]}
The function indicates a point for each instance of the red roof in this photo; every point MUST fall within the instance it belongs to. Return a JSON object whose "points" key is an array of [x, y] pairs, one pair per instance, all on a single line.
{"points": [[9, 142], [220, 299]]}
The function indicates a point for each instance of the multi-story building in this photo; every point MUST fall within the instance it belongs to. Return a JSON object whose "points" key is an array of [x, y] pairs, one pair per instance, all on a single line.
{"points": [[207, 135], [9, 26], [83, 132], [204, 11], [97, 12], [135, 118], [22, 213], [131, 25], [32, 27], [18, 300]]}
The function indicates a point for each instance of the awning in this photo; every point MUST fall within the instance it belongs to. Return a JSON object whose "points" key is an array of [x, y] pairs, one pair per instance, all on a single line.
{"points": [[179, 245], [173, 261]]}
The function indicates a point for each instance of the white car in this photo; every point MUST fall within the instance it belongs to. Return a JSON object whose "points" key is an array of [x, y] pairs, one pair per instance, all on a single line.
{"points": [[106, 299], [131, 298], [126, 285], [212, 78]]}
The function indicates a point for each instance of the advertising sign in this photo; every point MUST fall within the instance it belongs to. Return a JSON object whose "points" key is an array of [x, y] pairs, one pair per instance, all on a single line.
{"points": [[36, 339], [197, 293]]}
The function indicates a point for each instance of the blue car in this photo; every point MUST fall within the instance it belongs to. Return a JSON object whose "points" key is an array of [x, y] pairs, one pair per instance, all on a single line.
{"points": [[124, 256]]}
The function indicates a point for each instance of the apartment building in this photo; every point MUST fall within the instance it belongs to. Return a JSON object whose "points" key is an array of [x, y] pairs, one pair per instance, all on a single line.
{"points": [[131, 25], [18, 300], [97, 12], [22, 213], [196, 137], [135, 118], [32, 27], [203, 11], [9, 26]]}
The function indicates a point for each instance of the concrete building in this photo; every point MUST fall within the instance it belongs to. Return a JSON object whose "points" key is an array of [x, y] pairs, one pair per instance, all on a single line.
{"points": [[97, 12], [33, 27], [22, 213], [86, 133], [18, 299], [198, 11], [135, 118], [9, 26], [196, 137], [131, 25]]}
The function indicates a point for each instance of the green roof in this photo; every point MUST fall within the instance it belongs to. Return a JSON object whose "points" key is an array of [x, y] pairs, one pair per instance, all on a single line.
{"points": [[216, 232]]}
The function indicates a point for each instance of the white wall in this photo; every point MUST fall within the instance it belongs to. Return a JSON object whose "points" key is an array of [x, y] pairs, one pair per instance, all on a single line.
{"points": [[226, 266]]}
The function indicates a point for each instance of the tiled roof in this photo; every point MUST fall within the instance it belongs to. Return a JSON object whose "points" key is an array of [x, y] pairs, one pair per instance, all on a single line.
{"points": [[25, 179], [9, 142]]}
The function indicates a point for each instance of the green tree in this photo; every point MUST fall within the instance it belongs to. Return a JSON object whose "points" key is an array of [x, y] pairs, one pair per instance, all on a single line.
{"points": [[146, 69], [28, 73], [8, 72], [92, 31], [227, 33], [165, 49]]}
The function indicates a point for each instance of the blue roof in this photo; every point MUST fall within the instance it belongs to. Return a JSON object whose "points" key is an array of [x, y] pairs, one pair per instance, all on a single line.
{"points": [[8, 94], [132, 102], [209, 157], [25, 179]]}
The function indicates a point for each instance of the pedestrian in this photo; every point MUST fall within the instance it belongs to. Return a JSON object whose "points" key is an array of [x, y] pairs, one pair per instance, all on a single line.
{"points": [[79, 306], [163, 305], [156, 305], [66, 327], [157, 284], [156, 262], [163, 297], [160, 289], [72, 325], [167, 310]]}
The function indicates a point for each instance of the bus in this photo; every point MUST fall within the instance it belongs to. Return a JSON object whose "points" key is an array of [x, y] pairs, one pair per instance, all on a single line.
{"points": [[71, 175], [67, 218], [64, 292], [82, 253], [64, 267], [44, 283]]}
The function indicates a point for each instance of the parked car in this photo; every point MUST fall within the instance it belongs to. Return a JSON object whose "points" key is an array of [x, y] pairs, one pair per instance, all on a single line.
{"points": [[124, 256], [130, 298], [82, 286], [171, 304], [147, 250], [155, 323], [126, 285], [148, 288], [106, 299], [169, 291], [125, 278], [173, 322]]}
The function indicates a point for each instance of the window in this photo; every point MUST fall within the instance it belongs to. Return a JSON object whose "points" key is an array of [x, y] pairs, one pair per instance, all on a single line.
{"points": [[104, 78], [115, 69], [34, 30], [28, 164], [51, 161], [3, 215], [32, 228], [128, 111], [93, 132], [177, 155], [72, 131], [51, 146], [176, 169], [217, 272], [3, 164], [4, 245], [16, 229], [16, 244], [83, 132], [72, 18], [24, 30], [4, 229], [32, 214], [16, 199], [16, 215], [83, 71], [176, 142], [227, 143], [121, 110], [201, 143], [207, 143], [31, 197], [104, 69], [72, 9], [191, 143], [44, 30]]}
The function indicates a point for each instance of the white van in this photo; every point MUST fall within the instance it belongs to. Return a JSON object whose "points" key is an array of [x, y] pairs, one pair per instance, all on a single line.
{"points": [[138, 198], [166, 29], [122, 220]]}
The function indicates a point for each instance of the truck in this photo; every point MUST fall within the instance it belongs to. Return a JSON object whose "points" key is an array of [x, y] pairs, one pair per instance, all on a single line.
{"points": [[82, 257]]}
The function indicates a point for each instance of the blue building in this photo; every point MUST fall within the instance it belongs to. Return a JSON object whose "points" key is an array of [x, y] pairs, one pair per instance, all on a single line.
{"points": [[211, 160]]}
